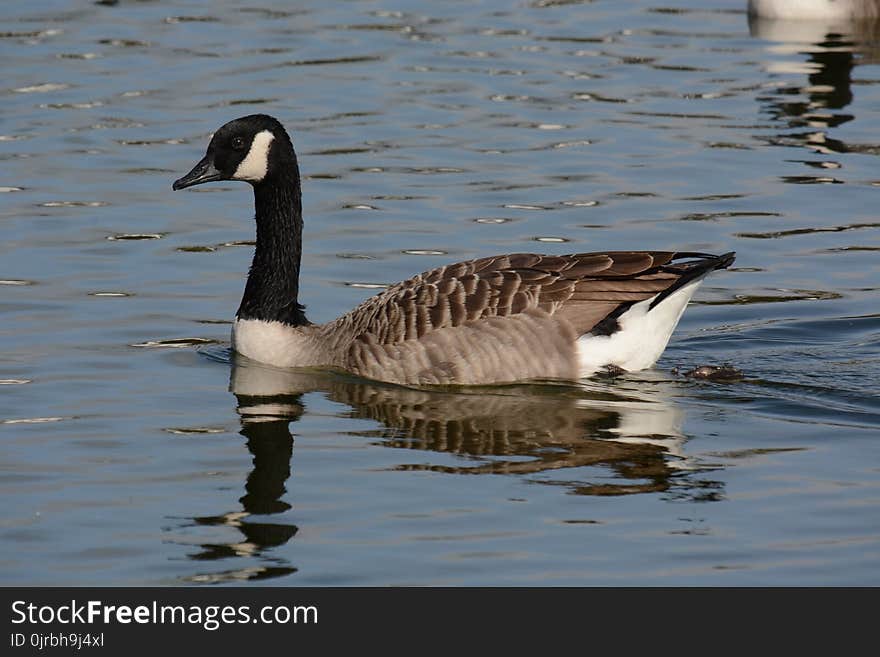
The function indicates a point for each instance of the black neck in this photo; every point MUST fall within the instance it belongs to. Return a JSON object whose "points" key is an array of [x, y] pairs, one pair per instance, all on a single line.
{"points": [[272, 290]]}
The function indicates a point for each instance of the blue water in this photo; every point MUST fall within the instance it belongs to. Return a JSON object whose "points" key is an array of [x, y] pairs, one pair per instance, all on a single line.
{"points": [[133, 450]]}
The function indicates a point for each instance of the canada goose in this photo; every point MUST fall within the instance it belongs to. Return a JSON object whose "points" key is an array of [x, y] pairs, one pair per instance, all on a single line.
{"points": [[497, 319], [815, 9]]}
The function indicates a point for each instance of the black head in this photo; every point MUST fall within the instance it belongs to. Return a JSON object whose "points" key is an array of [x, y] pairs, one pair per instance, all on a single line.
{"points": [[253, 148]]}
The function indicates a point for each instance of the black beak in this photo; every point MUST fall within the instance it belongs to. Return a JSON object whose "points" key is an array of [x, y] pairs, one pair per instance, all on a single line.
{"points": [[203, 172]]}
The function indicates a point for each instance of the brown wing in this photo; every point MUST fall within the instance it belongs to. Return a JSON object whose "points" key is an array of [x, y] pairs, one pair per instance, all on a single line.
{"points": [[409, 326], [582, 288]]}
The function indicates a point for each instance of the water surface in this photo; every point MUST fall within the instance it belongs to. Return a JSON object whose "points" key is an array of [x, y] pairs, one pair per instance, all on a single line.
{"points": [[133, 450]]}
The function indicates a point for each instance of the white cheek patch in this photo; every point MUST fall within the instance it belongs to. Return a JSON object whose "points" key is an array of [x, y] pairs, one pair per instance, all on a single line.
{"points": [[253, 168]]}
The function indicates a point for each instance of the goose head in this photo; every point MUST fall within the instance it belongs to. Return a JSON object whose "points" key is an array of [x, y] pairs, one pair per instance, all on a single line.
{"points": [[254, 149]]}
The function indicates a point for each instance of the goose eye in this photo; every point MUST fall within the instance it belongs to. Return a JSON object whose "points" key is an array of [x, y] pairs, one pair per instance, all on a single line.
{"points": [[237, 143]]}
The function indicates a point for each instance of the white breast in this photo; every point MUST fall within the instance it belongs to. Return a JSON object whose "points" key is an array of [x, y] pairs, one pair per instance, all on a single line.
{"points": [[273, 343]]}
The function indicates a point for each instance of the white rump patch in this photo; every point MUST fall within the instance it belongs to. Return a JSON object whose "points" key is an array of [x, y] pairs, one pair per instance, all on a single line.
{"points": [[642, 337], [253, 168]]}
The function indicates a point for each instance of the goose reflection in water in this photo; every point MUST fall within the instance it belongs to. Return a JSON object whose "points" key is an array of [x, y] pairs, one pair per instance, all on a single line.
{"points": [[266, 428], [271, 445], [627, 429], [833, 48]]}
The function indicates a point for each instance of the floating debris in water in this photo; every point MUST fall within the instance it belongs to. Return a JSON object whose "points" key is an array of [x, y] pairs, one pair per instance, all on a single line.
{"points": [[722, 373], [610, 372], [110, 294]]}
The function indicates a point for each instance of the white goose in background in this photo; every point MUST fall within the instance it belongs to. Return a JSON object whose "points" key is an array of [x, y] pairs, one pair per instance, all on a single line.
{"points": [[815, 9], [497, 319]]}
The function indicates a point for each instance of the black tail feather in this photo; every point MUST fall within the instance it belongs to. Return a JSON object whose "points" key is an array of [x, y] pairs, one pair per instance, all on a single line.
{"points": [[692, 270]]}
